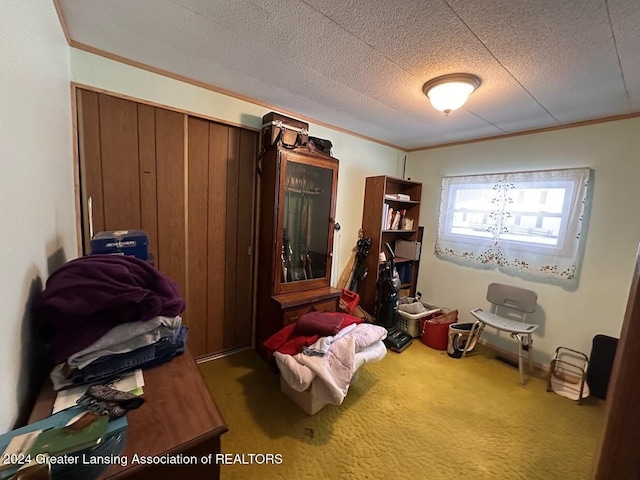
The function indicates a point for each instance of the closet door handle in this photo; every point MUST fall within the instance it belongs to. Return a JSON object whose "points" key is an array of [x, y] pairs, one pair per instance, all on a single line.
{"points": [[90, 211]]}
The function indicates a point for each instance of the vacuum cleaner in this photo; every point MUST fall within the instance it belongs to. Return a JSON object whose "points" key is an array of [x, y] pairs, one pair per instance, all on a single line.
{"points": [[387, 305]]}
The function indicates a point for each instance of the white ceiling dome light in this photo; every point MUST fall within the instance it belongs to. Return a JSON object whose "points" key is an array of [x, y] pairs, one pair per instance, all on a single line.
{"points": [[449, 92]]}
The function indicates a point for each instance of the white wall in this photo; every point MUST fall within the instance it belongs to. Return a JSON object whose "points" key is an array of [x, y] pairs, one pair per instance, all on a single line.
{"points": [[571, 317], [358, 157], [37, 217]]}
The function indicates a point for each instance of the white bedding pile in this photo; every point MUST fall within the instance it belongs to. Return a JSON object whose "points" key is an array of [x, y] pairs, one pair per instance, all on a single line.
{"points": [[344, 354]]}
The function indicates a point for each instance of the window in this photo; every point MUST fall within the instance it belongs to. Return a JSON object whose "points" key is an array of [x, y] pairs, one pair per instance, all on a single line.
{"points": [[527, 221]]}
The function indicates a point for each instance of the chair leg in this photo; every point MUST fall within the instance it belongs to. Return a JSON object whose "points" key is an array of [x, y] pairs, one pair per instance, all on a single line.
{"points": [[552, 368], [518, 337], [530, 353]]}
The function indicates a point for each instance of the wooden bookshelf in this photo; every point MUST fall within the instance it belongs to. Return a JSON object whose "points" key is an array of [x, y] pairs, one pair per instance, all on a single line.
{"points": [[375, 227]]}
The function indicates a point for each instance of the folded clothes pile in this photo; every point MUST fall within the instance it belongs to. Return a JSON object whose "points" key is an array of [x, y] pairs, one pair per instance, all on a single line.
{"points": [[105, 315]]}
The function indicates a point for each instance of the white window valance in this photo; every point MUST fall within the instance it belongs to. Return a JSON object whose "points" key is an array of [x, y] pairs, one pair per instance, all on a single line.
{"points": [[520, 221]]}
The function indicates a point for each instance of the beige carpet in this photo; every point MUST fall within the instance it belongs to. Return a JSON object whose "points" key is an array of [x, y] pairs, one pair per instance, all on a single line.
{"points": [[417, 414]]}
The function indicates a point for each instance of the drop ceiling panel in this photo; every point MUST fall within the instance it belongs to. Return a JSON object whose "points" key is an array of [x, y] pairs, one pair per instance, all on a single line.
{"points": [[443, 44], [625, 19], [360, 64], [562, 52], [315, 89]]}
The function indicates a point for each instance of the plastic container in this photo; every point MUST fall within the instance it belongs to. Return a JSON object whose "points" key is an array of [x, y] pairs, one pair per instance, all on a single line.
{"points": [[311, 400], [350, 299], [411, 322]]}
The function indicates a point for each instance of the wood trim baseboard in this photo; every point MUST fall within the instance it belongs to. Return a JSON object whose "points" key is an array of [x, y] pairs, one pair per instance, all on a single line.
{"points": [[582, 123], [191, 113], [63, 21], [228, 93], [254, 101]]}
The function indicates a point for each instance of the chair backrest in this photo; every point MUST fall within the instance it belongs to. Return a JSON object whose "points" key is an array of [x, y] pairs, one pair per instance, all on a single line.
{"points": [[512, 297]]}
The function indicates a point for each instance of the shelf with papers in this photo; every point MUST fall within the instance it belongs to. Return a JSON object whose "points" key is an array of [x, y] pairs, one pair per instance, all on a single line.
{"points": [[408, 202]]}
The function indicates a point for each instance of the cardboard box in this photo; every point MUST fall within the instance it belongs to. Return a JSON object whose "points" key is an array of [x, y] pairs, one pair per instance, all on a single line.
{"points": [[408, 249], [122, 242]]}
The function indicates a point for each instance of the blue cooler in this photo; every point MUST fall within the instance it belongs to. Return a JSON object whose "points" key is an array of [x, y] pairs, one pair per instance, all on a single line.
{"points": [[122, 242]]}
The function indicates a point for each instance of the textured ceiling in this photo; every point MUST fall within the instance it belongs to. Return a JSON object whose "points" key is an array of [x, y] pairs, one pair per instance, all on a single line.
{"points": [[360, 64]]}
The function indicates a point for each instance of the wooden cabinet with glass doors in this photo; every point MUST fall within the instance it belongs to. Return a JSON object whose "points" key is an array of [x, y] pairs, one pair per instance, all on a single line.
{"points": [[295, 238]]}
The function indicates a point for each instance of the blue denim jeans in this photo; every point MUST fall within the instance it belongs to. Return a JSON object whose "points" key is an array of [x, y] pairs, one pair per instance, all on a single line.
{"points": [[109, 366]]}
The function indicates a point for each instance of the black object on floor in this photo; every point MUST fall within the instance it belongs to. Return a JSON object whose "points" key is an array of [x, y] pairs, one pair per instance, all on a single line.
{"points": [[398, 340], [603, 352]]}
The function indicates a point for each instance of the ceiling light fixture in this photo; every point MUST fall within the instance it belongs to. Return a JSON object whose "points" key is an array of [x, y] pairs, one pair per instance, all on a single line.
{"points": [[450, 92]]}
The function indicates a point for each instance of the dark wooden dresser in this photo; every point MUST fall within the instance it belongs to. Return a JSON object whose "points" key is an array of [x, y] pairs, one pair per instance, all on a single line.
{"points": [[293, 305], [178, 417]]}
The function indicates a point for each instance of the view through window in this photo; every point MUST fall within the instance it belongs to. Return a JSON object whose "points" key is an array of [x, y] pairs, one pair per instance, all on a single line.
{"points": [[522, 220]]}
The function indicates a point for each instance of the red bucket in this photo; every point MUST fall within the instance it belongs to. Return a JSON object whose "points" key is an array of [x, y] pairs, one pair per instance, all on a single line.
{"points": [[435, 330]]}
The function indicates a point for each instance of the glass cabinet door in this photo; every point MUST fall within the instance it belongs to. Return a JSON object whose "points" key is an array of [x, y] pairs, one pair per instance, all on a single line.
{"points": [[307, 224]]}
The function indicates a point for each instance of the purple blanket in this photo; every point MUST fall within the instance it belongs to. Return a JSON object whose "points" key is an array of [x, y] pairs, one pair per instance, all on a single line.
{"points": [[87, 297]]}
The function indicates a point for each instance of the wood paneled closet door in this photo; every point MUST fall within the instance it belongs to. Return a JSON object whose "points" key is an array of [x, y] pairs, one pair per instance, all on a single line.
{"points": [[143, 167], [221, 165]]}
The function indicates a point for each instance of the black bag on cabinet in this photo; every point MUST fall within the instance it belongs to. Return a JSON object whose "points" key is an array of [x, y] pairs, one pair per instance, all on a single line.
{"points": [[322, 144]]}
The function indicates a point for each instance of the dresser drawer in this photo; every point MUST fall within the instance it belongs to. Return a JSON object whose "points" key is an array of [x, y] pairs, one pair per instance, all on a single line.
{"points": [[291, 315]]}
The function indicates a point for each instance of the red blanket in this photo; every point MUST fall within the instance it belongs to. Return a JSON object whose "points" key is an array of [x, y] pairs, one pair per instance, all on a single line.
{"points": [[319, 323], [290, 341]]}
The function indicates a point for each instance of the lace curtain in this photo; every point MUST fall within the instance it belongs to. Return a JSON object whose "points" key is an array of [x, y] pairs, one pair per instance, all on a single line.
{"points": [[517, 222]]}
